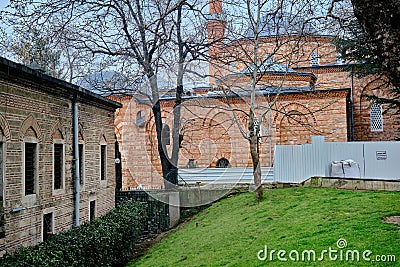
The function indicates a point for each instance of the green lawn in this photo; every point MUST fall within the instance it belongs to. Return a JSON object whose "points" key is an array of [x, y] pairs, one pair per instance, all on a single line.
{"points": [[232, 231]]}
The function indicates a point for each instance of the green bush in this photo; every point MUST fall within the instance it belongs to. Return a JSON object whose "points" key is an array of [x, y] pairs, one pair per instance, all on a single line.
{"points": [[106, 241]]}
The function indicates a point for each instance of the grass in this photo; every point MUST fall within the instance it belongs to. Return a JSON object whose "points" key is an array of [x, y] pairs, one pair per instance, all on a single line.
{"points": [[232, 231]]}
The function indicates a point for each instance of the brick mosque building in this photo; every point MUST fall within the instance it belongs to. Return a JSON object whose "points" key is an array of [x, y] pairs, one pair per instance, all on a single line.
{"points": [[306, 87]]}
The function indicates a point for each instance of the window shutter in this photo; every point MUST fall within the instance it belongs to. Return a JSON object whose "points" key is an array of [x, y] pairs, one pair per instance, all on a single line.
{"points": [[30, 154], [103, 162], [58, 165], [80, 146]]}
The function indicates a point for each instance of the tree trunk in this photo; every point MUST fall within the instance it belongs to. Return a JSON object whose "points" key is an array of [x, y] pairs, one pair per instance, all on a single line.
{"points": [[162, 152], [255, 156], [173, 176]]}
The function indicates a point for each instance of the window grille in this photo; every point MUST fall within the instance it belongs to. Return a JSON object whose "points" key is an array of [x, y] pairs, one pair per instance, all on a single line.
{"points": [[314, 59], [376, 117]]}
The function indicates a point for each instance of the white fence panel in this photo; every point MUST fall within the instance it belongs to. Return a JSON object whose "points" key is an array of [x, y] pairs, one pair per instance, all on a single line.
{"points": [[290, 164], [337, 151], [382, 160], [296, 163]]}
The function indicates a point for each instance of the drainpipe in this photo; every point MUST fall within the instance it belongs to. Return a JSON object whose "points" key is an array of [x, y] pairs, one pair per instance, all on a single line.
{"points": [[77, 189], [352, 105]]}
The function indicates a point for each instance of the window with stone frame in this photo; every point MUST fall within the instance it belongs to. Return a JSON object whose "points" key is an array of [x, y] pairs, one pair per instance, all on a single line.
{"points": [[30, 168], [165, 135], [376, 117], [103, 163], [92, 210], [140, 118], [58, 166], [223, 163], [81, 149], [48, 227]]}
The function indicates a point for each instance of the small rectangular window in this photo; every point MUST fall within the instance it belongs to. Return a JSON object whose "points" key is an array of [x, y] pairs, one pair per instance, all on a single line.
{"points": [[47, 226], [30, 168], [92, 210], [376, 117], [81, 164], [103, 155], [58, 165]]}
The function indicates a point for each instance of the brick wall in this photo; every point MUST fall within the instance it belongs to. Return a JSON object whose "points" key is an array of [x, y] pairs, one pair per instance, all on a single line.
{"points": [[27, 110], [211, 133], [362, 122]]}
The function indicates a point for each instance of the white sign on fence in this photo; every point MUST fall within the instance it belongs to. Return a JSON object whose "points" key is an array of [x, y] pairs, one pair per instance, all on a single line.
{"points": [[381, 155]]}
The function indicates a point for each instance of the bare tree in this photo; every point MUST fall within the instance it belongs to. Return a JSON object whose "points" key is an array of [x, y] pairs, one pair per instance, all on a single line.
{"points": [[263, 40], [132, 37]]}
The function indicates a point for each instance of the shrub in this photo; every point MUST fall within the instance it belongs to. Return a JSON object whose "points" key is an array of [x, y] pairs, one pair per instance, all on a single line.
{"points": [[106, 241]]}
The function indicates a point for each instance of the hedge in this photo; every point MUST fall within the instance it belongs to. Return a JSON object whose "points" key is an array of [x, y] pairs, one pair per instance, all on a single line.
{"points": [[106, 241]]}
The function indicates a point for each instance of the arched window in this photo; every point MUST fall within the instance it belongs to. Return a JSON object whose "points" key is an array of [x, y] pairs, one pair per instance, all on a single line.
{"points": [[82, 158], [103, 158], [223, 163], [232, 66], [314, 60], [140, 118], [30, 161], [58, 160], [376, 117], [165, 135]]}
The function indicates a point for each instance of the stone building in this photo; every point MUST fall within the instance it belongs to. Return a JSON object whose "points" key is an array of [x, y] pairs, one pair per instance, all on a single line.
{"points": [[301, 79], [37, 155]]}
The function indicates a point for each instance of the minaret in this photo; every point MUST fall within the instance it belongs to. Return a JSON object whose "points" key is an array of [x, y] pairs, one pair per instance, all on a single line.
{"points": [[215, 25]]}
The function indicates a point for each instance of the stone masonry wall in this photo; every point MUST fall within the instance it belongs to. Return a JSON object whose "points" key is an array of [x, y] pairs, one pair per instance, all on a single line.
{"points": [[26, 111]]}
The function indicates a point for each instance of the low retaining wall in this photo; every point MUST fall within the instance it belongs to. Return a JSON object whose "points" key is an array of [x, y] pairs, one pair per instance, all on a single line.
{"points": [[353, 183], [158, 210], [163, 207]]}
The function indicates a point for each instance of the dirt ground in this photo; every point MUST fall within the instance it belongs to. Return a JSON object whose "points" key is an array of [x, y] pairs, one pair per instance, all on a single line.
{"points": [[392, 219]]}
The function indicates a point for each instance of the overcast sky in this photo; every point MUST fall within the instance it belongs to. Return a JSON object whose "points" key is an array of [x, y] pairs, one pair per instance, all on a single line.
{"points": [[3, 3]]}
